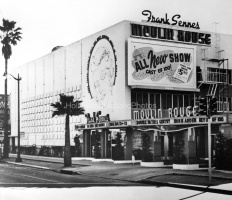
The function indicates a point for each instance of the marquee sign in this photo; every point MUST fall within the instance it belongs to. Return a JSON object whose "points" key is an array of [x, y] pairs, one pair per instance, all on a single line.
{"points": [[119, 123], [97, 117], [194, 120], [182, 121], [152, 63], [110, 124]]}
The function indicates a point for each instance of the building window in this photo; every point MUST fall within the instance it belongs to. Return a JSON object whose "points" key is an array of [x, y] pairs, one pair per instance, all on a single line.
{"points": [[157, 102], [169, 101], [175, 101], [164, 101], [181, 101], [229, 76], [186, 101], [145, 100], [219, 75], [152, 100], [133, 100], [139, 99]]}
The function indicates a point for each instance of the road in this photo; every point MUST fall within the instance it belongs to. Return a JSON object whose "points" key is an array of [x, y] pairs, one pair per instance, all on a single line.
{"points": [[19, 182], [20, 176]]}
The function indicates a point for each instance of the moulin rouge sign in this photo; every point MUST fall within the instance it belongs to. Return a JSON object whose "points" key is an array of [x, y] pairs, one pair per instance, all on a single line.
{"points": [[180, 115], [163, 33]]}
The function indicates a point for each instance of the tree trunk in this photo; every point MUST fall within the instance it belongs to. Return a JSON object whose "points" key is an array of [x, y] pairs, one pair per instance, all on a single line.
{"points": [[6, 139], [67, 148]]}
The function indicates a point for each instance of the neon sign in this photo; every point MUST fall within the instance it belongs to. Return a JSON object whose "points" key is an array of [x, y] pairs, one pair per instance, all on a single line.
{"points": [[175, 20], [158, 113], [170, 34]]}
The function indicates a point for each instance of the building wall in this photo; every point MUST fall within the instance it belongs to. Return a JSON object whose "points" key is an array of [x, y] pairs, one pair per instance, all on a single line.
{"points": [[71, 70], [65, 71]]}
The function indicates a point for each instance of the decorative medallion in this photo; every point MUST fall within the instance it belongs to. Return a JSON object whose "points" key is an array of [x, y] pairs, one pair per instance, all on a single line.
{"points": [[102, 70]]}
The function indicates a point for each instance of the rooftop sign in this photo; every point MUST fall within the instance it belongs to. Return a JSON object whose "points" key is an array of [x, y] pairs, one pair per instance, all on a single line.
{"points": [[169, 34], [175, 20]]}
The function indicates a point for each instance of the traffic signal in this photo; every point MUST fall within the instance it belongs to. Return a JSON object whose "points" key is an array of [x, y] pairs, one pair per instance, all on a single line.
{"points": [[203, 106], [213, 106]]}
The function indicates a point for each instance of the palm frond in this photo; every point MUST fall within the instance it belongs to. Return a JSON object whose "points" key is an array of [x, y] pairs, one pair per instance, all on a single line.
{"points": [[77, 112], [9, 37], [54, 113], [67, 106], [56, 105], [59, 110], [18, 29], [2, 28], [8, 25]]}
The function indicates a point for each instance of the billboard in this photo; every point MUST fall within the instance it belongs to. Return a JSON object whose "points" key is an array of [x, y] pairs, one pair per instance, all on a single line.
{"points": [[2, 110], [161, 65]]}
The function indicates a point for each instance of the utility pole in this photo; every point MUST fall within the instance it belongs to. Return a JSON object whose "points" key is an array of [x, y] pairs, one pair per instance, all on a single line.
{"points": [[209, 148], [211, 110]]}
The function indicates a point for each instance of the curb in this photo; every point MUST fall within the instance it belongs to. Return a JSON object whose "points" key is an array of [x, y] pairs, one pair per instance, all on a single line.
{"points": [[27, 165], [62, 171], [189, 187]]}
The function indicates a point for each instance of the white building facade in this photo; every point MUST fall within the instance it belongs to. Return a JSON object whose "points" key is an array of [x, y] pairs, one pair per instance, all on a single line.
{"points": [[133, 78]]}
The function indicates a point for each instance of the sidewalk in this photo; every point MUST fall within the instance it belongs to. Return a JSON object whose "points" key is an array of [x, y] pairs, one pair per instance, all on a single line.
{"points": [[162, 176]]}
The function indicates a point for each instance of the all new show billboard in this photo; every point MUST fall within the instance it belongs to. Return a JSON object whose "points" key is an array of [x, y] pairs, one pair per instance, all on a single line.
{"points": [[161, 65]]}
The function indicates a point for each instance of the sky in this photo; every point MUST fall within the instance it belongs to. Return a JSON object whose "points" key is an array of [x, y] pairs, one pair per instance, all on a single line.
{"points": [[49, 23]]}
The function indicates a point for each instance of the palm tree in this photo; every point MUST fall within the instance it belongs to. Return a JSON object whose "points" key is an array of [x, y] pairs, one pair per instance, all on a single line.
{"points": [[67, 107], [9, 36]]}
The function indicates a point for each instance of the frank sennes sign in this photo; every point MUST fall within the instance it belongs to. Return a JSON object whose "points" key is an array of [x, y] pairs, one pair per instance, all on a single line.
{"points": [[161, 64]]}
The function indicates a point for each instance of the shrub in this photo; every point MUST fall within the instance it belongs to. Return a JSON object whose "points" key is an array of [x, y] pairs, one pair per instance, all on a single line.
{"points": [[220, 151], [228, 154], [223, 156]]}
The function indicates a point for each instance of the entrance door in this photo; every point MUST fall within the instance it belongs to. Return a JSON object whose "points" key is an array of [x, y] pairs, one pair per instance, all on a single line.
{"points": [[95, 147], [166, 145], [118, 136]]}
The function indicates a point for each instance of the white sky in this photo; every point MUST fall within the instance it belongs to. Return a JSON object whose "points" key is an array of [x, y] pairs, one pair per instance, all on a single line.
{"points": [[49, 23]]}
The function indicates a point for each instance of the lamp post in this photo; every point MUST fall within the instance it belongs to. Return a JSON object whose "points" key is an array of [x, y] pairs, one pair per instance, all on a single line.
{"points": [[208, 97], [18, 159]]}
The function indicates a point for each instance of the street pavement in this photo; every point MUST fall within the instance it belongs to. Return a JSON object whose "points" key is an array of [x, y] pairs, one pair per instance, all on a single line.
{"points": [[166, 176]]}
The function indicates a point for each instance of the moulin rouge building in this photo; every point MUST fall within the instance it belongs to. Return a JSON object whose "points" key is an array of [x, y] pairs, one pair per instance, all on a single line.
{"points": [[134, 78]]}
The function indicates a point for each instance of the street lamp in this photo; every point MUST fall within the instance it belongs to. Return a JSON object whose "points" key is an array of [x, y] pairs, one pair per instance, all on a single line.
{"points": [[18, 159]]}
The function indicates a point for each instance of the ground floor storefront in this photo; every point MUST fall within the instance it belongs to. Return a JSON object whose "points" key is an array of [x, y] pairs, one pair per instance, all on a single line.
{"points": [[148, 144], [168, 143]]}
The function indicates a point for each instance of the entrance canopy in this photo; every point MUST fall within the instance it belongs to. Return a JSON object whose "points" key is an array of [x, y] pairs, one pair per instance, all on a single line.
{"points": [[163, 124]]}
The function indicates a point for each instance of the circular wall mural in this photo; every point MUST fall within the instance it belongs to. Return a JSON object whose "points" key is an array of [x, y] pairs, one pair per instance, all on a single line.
{"points": [[102, 70]]}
